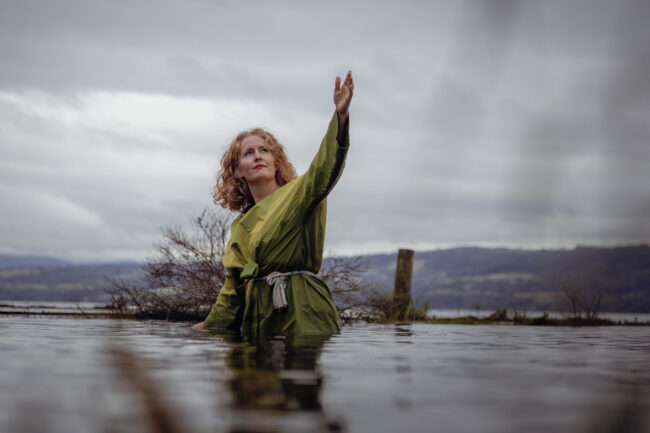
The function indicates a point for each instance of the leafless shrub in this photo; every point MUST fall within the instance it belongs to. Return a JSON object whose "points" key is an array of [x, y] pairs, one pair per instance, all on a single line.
{"points": [[383, 306], [349, 290], [182, 279], [580, 304], [519, 317]]}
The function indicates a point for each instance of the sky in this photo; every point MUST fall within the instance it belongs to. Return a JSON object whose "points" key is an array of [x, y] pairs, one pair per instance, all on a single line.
{"points": [[521, 124]]}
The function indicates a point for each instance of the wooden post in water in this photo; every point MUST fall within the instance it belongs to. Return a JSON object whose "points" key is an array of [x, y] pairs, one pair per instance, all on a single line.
{"points": [[402, 294]]}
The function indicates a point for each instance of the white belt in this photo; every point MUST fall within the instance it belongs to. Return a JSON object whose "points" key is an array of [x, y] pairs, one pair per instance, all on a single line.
{"points": [[279, 282]]}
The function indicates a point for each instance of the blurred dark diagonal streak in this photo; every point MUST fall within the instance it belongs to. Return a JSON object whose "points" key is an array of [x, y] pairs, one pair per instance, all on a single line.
{"points": [[481, 42], [490, 26], [625, 118], [537, 183], [565, 132], [156, 414]]}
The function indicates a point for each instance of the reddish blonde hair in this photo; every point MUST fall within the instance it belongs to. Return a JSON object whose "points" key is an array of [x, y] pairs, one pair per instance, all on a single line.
{"points": [[231, 192]]}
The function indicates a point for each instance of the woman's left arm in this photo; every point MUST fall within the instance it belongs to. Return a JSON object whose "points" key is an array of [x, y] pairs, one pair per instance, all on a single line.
{"points": [[327, 165], [342, 98]]}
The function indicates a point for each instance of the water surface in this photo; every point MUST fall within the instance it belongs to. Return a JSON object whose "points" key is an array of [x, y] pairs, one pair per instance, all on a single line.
{"points": [[98, 375]]}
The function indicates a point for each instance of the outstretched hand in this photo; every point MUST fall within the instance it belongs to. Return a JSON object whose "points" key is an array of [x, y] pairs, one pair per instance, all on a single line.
{"points": [[343, 94]]}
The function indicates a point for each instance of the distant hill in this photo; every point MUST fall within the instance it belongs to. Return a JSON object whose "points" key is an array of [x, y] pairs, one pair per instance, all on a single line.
{"points": [[488, 278], [67, 282], [8, 261], [524, 279]]}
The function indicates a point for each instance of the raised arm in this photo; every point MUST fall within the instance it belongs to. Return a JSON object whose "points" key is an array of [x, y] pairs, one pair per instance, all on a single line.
{"points": [[342, 97], [327, 165]]}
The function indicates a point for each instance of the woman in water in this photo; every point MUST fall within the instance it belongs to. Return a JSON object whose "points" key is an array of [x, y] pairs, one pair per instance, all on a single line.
{"points": [[276, 243]]}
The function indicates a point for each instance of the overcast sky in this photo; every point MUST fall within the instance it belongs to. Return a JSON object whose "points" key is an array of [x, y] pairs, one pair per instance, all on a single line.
{"points": [[495, 123]]}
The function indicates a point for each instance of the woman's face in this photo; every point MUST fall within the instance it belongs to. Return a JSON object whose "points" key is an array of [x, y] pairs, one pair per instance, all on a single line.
{"points": [[256, 161]]}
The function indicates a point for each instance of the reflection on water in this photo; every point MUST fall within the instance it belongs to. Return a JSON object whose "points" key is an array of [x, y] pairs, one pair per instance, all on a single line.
{"points": [[276, 385], [65, 375]]}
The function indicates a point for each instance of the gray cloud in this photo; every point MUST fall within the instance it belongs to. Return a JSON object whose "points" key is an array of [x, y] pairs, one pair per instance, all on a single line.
{"points": [[499, 123]]}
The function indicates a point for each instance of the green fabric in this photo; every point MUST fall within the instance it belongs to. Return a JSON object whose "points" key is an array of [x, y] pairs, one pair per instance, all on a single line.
{"points": [[283, 232]]}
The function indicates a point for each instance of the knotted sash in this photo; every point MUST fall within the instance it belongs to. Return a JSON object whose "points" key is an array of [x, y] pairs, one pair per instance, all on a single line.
{"points": [[279, 282]]}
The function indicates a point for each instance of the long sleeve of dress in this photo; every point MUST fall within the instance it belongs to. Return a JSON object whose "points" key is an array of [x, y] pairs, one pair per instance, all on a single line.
{"points": [[326, 167], [227, 312]]}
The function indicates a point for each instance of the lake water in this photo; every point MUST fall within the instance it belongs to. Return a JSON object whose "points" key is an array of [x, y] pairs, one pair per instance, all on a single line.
{"points": [[68, 375]]}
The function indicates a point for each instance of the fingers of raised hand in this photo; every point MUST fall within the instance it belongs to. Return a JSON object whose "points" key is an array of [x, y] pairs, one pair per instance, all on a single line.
{"points": [[349, 82], [343, 91]]}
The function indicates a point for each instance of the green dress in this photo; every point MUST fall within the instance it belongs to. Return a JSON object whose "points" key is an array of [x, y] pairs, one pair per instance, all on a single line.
{"points": [[284, 232]]}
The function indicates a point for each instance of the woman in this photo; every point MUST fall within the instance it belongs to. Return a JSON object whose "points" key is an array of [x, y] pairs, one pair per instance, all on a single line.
{"points": [[276, 244]]}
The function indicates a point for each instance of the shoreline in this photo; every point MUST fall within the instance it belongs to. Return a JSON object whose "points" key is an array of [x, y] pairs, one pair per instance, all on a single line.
{"points": [[499, 318]]}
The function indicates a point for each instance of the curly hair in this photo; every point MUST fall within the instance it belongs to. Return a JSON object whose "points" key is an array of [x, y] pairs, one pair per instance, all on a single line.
{"points": [[231, 192]]}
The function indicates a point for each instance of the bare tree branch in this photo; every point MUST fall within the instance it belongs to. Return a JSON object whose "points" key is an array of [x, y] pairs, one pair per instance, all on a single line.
{"points": [[184, 275], [581, 301]]}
